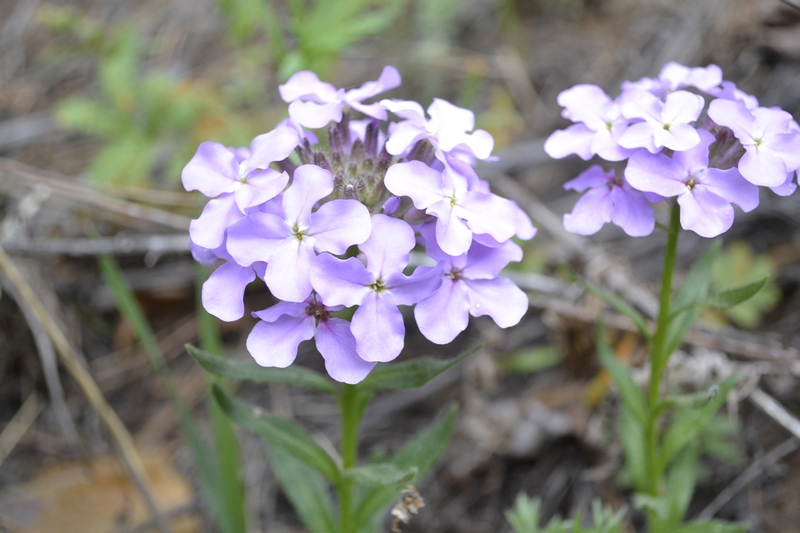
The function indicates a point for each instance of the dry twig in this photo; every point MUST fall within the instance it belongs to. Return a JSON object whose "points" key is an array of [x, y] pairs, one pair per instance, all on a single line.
{"points": [[14, 172], [15, 429], [128, 453]]}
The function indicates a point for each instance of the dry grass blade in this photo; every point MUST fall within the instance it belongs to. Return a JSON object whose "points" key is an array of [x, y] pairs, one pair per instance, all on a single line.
{"points": [[15, 429], [128, 453], [21, 174], [776, 411], [748, 476], [47, 356]]}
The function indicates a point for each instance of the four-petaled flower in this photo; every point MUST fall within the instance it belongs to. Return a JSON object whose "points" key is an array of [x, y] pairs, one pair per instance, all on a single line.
{"points": [[288, 243], [377, 288], [313, 103]]}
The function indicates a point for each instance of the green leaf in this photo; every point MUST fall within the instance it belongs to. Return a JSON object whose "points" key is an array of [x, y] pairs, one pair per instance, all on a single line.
{"points": [[119, 70], [632, 437], [681, 479], [688, 423], [231, 508], [690, 298], [621, 375], [409, 374], [712, 526], [279, 433], [305, 490], [737, 295], [618, 304], [381, 475], [421, 453], [211, 479], [250, 371], [529, 360], [524, 517], [87, 116], [125, 160]]}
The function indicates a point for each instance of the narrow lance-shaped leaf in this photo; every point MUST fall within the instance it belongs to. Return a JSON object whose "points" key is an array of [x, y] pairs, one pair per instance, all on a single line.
{"points": [[305, 489], [381, 475], [715, 526], [621, 375], [690, 298], [226, 445], [421, 453], [617, 303], [680, 485], [250, 371], [737, 295], [409, 374], [689, 422], [278, 433], [130, 309]]}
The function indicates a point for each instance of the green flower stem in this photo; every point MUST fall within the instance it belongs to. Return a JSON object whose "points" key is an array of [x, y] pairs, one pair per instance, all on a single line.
{"points": [[351, 408], [658, 355]]}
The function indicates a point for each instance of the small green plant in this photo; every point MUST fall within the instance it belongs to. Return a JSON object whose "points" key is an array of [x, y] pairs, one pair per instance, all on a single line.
{"points": [[525, 517], [314, 33], [737, 265], [149, 122]]}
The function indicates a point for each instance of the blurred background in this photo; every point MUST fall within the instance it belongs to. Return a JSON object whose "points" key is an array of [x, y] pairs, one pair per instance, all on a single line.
{"points": [[102, 102]]}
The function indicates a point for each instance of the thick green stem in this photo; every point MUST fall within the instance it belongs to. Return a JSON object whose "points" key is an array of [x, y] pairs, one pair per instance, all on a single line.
{"points": [[658, 355], [350, 406]]}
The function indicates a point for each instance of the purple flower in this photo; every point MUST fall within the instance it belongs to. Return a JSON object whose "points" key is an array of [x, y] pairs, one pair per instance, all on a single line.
{"points": [[704, 194], [215, 170], [274, 340], [674, 76], [314, 104], [610, 199], [447, 128], [377, 288], [223, 292], [208, 230], [600, 124], [772, 147], [288, 243], [728, 91], [664, 124], [459, 211], [470, 286]]}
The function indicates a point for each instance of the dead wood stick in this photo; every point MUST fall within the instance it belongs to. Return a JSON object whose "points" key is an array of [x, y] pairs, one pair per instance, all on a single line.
{"points": [[617, 275], [750, 347], [69, 358], [19, 425], [119, 245], [67, 188], [748, 476], [47, 356], [776, 411]]}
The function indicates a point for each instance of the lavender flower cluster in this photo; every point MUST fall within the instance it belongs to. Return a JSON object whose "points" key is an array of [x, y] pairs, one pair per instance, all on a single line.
{"points": [[334, 227], [706, 156]]}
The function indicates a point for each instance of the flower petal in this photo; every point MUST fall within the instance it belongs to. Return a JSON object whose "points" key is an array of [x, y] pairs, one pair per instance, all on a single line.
{"points": [[499, 298], [337, 346], [289, 269], [223, 291], [388, 245], [256, 237], [213, 170], [378, 328], [270, 147], [275, 343], [340, 281], [444, 314], [309, 185], [208, 230], [339, 224]]}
